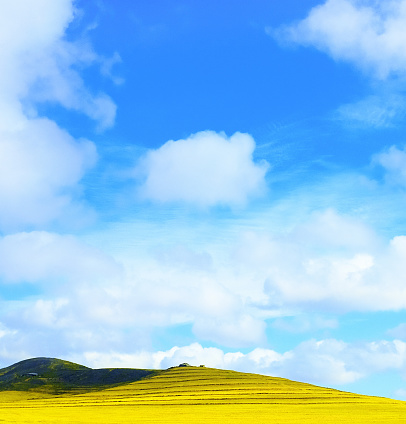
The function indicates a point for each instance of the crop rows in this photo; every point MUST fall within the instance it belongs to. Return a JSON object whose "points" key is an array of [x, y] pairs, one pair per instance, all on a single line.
{"points": [[203, 395]]}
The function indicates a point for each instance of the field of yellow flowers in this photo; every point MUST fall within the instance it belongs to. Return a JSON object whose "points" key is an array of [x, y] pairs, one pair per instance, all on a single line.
{"points": [[202, 395]]}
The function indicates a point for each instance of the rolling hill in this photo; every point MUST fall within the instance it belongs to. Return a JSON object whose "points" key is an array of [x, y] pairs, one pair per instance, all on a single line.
{"points": [[188, 395]]}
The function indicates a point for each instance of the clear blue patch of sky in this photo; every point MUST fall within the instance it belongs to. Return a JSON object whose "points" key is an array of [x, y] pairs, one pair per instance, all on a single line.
{"points": [[20, 291], [175, 335], [369, 326], [209, 67]]}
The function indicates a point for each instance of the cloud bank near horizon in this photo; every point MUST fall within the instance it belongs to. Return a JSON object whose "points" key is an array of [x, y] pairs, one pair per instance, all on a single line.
{"points": [[346, 268]]}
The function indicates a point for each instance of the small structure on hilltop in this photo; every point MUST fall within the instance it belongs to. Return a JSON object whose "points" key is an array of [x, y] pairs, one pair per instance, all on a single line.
{"points": [[184, 364]]}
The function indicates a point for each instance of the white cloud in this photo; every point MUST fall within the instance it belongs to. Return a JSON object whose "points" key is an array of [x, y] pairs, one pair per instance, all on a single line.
{"points": [[40, 25], [331, 230], [4, 331], [331, 263], [41, 165], [41, 257], [107, 68], [369, 34], [46, 314], [379, 111], [304, 323], [324, 362], [401, 394], [335, 362], [233, 331], [40, 168], [81, 287], [394, 162], [206, 169], [399, 332], [225, 295], [194, 354], [38, 64]]}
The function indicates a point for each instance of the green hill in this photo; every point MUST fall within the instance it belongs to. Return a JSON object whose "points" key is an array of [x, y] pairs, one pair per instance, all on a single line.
{"points": [[51, 375]]}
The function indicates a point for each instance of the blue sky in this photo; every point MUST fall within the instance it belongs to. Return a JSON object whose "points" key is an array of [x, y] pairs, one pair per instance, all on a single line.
{"points": [[206, 181]]}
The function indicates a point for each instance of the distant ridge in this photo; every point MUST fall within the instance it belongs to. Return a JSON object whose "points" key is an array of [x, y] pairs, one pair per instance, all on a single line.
{"points": [[52, 375]]}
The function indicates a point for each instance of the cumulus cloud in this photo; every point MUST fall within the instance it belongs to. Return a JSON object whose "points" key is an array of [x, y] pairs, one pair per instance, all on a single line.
{"points": [[41, 165], [369, 34], [40, 168], [318, 271], [39, 64], [205, 169]]}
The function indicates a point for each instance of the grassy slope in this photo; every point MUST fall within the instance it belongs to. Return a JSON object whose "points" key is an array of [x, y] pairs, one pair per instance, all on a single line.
{"points": [[204, 395]]}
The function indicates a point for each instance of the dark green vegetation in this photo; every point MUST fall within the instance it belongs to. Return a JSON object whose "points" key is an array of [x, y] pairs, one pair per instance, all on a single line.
{"points": [[50, 375]]}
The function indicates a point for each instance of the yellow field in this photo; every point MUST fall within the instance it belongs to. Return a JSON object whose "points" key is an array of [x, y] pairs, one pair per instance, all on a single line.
{"points": [[203, 395]]}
